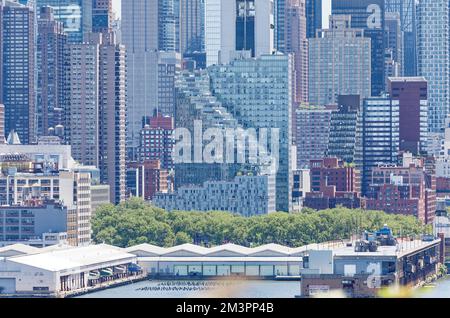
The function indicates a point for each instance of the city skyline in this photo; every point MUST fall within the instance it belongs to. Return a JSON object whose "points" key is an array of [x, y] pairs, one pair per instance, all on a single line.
{"points": [[306, 142]]}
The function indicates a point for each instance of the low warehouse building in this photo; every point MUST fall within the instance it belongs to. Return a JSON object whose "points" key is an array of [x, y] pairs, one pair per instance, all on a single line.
{"points": [[63, 270], [189, 260]]}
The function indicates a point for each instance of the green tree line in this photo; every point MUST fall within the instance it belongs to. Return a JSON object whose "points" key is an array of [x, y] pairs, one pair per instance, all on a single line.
{"points": [[136, 222]]}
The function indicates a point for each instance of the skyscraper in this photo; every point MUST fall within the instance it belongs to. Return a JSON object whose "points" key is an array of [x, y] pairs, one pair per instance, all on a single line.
{"points": [[51, 82], [339, 62], [169, 64], [2, 124], [394, 44], [314, 17], [157, 141], [434, 58], [412, 94], [177, 21], [296, 43], [18, 69], [244, 26], [312, 133], [195, 102], [369, 16], [82, 116], [380, 135], [258, 93], [407, 11], [280, 24], [76, 16], [102, 15], [192, 16], [145, 31], [112, 117], [344, 128], [166, 25]]}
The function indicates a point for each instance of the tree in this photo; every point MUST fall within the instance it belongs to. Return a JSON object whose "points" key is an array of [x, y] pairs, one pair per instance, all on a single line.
{"points": [[136, 222], [182, 238]]}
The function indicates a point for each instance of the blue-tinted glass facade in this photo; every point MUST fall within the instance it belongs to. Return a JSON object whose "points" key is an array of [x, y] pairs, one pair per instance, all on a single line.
{"points": [[280, 17], [407, 11], [18, 70], [245, 26], [76, 16], [313, 17]]}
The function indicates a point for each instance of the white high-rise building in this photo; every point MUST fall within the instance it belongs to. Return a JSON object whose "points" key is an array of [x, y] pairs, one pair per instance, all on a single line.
{"points": [[238, 26], [434, 58]]}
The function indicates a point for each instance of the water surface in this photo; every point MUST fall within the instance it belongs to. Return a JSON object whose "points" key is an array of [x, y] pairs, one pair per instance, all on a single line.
{"points": [[230, 289]]}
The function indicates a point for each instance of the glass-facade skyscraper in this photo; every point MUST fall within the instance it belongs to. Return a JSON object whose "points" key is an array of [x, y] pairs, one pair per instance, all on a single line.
{"points": [[76, 16], [434, 59], [18, 69], [313, 17], [258, 92], [380, 135], [407, 11], [192, 26], [280, 16], [166, 25], [102, 15]]}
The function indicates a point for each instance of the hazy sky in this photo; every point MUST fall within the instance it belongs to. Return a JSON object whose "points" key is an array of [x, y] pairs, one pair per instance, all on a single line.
{"points": [[116, 6]]}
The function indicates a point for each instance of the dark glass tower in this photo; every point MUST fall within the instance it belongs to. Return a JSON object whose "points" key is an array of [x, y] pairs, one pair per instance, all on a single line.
{"points": [[280, 14], [313, 17], [245, 26], [18, 62], [369, 16], [102, 16], [407, 11]]}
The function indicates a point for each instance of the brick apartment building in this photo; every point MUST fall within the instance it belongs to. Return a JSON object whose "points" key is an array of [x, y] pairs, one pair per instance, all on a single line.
{"points": [[406, 190], [333, 183]]}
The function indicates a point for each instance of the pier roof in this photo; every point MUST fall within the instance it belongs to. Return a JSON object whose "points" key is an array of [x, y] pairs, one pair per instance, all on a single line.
{"points": [[75, 258]]}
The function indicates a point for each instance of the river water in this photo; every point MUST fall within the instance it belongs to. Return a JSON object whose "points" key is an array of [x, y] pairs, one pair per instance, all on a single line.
{"points": [[229, 289]]}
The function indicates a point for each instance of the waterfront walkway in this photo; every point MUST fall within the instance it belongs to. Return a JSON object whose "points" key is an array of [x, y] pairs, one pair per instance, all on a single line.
{"points": [[104, 285]]}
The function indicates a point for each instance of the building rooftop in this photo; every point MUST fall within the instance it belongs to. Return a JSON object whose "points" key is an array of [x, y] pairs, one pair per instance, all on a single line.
{"points": [[402, 248], [73, 258], [408, 79], [226, 250], [17, 249], [224, 259]]}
